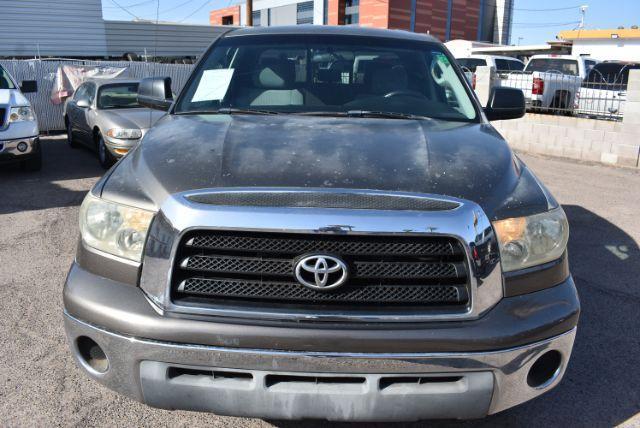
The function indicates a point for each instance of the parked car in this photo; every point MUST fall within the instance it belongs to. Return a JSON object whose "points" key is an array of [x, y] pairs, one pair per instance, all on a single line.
{"points": [[500, 63], [19, 140], [604, 91], [551, 82], [104, 115], [292, 241]]}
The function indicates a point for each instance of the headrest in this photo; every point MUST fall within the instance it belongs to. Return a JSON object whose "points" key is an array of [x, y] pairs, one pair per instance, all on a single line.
{"points": [[386, 78], [276, 73]]}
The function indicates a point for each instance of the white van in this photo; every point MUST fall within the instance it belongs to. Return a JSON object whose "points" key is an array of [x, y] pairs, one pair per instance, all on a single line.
{"points": [[19, 140]]}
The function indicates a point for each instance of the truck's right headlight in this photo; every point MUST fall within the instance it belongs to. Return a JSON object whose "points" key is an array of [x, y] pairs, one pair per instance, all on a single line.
{"points": [[533, 240], [114, 228]]}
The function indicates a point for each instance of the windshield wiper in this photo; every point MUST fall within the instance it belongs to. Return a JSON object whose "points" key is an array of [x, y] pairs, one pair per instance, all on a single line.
{"points": [[363, 113], [383, 114], [229, 110]]}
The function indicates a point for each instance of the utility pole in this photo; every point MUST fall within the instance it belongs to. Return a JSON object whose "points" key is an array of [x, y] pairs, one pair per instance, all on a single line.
{"points": [[249, 9], [583, 12]]}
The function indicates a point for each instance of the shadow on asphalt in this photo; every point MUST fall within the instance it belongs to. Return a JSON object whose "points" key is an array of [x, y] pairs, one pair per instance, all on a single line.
{"points": [[50, 187], [600, 387]]}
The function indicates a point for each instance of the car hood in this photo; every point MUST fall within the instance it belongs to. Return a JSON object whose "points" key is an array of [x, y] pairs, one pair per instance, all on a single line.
{"points": [[131, 118], [464, 160], [12, 97]]}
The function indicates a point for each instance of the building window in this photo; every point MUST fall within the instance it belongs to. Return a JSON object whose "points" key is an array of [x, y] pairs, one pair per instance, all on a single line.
{"points": [[305, 13], [351, 12], [227, 20], [255, 16]]}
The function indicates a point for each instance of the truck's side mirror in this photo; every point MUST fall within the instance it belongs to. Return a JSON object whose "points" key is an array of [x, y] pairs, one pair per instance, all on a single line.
{"points": [[505, 103], [28, 86], [155, 93]]}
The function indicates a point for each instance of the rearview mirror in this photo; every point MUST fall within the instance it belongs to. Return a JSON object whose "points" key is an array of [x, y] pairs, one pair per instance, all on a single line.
{"points": [[505, 103], [155, 93], [29, 86]]}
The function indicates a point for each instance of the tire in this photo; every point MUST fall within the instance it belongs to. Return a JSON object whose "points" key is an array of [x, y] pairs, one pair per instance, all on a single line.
{"points": [[104, 155], [72, 143], [33, 164]]}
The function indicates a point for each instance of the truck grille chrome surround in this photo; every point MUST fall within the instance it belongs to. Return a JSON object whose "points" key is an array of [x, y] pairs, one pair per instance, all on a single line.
{"points": [[238, 261]]}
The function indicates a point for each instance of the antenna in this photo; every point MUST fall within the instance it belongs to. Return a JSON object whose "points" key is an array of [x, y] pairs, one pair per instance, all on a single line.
{"points": [[583, 12]]}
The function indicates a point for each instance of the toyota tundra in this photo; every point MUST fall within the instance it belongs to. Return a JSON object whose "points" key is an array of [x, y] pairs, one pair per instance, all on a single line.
{"points": [[325, 225]]}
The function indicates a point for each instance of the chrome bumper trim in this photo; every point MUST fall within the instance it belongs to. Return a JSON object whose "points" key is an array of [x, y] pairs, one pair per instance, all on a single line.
{"points": [[509, 367]]}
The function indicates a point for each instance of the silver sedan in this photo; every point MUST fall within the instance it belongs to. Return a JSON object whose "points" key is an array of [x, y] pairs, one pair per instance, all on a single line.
{"points": [[104, 114]]}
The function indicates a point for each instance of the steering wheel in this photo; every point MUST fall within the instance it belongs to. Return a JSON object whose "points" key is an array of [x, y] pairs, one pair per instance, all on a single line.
{"points": [[405, 93]]}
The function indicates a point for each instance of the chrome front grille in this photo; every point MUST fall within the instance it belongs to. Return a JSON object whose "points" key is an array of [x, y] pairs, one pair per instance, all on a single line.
{"points": [[230, 267], [3, 114]]}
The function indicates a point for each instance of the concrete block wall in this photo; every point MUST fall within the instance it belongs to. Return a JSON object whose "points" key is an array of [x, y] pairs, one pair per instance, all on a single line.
{"points": [[576, 138], [614, 143]]}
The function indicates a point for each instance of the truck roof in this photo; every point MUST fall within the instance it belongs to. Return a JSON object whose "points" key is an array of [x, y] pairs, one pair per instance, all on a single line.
{"points": [[341, 30]]}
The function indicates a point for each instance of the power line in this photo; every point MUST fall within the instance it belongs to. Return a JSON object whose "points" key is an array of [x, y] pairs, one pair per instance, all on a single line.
{"points": [[131, 5], [195, 11], [177, 7], [124, 9]]}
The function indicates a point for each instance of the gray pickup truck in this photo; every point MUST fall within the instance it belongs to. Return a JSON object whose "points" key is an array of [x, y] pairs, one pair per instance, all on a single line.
{"points": [[325, 225]]}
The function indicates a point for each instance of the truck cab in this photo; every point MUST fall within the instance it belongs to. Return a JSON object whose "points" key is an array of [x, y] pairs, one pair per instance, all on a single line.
{"points": [[19, 140]]}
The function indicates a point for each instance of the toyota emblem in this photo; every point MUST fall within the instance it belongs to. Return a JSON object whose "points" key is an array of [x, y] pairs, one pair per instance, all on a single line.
{"points": [[321, 272]]}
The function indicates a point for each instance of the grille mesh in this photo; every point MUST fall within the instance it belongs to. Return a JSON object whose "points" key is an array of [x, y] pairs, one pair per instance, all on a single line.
{"points": [[312, 199], [3, 113], [304, 245], [219, 267], [295, 292]]}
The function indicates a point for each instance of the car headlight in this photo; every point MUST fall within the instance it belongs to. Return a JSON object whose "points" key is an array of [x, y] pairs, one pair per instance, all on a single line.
{"points": [[21, 114], [114, 228], [124, 134], [533, 240]]}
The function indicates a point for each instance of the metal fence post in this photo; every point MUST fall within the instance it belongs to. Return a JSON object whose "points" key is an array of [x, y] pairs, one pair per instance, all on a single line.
{"points": [[485, 77]]}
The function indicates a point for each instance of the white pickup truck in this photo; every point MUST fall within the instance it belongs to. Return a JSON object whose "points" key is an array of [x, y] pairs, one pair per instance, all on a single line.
{"points": [[550, 82], [604, 92], [19, 140]]}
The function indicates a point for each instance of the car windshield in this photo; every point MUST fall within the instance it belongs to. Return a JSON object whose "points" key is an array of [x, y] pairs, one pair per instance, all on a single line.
{"points": [[121, 95], [553, 65], [5, 80], [328, 75]]}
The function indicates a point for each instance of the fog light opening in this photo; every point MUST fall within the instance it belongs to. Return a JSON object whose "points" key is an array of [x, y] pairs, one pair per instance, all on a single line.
{"points": [[92, 354], [545, 370], [22, 146]]}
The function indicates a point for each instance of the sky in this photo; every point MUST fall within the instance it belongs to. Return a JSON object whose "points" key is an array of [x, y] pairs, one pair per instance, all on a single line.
{"points": [[534, 21]]}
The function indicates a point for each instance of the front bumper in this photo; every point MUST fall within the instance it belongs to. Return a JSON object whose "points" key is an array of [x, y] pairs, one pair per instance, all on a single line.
{"points": [[461, 369], [274, 384], [19, 149]]}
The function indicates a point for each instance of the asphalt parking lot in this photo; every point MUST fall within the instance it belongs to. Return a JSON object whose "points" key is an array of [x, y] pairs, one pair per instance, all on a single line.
{"points": [[41, 386]]}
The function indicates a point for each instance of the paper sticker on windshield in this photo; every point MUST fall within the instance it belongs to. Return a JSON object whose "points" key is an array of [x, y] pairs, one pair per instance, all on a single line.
{"points": [[213, 85]]}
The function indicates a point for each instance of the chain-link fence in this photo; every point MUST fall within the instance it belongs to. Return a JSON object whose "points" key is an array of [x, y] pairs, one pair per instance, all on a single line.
{"points": [[50, 115]]}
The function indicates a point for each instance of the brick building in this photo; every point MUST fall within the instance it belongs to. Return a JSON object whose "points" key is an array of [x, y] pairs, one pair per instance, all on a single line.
{"points": [[486, 20]]}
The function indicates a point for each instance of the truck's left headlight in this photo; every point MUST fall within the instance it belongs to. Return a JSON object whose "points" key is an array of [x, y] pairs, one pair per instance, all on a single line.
{"points": [[21, 114], [114, 228], [533, 240]]}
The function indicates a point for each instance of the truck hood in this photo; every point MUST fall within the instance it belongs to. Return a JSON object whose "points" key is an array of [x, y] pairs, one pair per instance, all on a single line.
{"points": [[12, 97], [464, 160]]}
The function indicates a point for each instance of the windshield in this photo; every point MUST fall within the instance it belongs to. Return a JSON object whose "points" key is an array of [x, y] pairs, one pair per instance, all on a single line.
{"points": [[611, 72], [5, 80], [471, 63], [554, 65], [329, 75], [122, 95]]}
